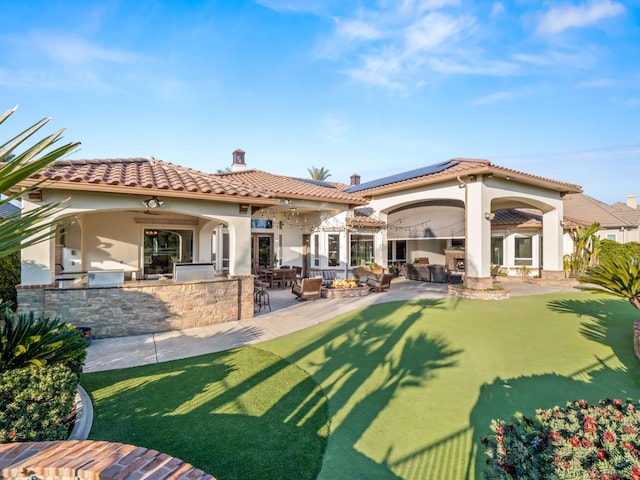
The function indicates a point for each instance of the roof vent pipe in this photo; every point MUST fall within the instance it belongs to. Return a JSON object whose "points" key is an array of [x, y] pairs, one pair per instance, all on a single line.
{"points": [[355, 179]]}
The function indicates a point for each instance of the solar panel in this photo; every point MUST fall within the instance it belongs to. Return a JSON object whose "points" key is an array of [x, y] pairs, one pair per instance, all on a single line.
{"points": [[317, 183], [399, 177]]}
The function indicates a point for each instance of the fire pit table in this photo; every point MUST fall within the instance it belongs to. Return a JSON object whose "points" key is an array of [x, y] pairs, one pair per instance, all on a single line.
{"points": [[341, 288]]}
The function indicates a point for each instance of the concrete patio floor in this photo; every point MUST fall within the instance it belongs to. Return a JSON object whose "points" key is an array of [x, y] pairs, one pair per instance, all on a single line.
{"points": [[287, 315]]}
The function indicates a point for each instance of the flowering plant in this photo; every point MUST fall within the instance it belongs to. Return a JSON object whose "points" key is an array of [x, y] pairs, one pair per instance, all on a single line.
{"points": [[579, 441]]}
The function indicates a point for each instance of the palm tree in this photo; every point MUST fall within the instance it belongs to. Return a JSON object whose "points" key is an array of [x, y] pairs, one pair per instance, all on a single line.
{"points": [[619, 276], [586, 245], [319, 173], [27, 228]]}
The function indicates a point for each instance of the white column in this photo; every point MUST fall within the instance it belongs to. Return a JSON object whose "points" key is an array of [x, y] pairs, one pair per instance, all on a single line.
{"points": [[240, 246], [552, 232], [478, 237]]}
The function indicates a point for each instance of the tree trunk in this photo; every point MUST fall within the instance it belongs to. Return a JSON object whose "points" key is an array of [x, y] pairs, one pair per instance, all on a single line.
{"points": [[635, 301]]}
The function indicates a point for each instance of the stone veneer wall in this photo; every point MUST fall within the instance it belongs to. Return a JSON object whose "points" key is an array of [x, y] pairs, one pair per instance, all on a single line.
{"points": [[461, 291], [143, 307]]}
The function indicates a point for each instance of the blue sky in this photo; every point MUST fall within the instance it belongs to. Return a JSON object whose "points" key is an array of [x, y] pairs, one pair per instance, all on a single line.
{"points": [[369, 87]]}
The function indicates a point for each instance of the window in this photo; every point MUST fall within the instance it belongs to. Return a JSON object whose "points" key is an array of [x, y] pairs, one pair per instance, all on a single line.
{"points": [[333, 250], [316, 250], [261, 223], [523, 251], [497, 250], [611, 236], [397, 251], [225, 250], [361, 249], [163, 248]]}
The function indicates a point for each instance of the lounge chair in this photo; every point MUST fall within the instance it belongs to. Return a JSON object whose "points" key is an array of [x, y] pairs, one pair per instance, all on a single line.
{"points": [[307, 288], [381, 283]]}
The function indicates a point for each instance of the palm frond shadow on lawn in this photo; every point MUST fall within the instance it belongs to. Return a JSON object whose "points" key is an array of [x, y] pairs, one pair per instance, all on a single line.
{"points": [[248, 413]]}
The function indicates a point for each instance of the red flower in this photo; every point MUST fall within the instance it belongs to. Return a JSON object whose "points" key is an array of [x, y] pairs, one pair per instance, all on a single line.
{"points": [[555, 436], [617, 402], [609, 436], [602, 455], [12, 434], [628, 446], [635, 473], [574, 442], [587, 443], [500, 430]]}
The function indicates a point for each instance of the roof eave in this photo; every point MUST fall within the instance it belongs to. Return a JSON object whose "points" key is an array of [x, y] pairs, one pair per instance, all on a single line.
{"points": [[97, 187]]}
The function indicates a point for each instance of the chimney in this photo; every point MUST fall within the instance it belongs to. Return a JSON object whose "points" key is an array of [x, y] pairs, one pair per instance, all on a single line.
{"points": [[355, 179], [238, 164], [632, 202]]}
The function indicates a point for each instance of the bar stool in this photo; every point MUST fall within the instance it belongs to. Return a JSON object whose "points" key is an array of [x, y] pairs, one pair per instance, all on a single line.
{"points": [[260, 295]]}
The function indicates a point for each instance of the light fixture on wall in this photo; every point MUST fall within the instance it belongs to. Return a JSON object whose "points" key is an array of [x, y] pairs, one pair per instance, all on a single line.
{"points": [[489, 215], [244, 209], [153, 202]]}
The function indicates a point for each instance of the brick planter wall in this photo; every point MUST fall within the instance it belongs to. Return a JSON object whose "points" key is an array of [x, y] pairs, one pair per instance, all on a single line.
{"points": [[143, 307], [88, 460]]}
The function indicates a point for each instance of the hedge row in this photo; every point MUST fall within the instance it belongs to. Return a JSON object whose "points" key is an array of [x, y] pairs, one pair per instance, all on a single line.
{"points": [[36, 403]]}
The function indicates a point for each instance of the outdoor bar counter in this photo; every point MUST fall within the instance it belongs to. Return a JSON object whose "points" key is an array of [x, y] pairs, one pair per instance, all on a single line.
{"points": [[142, 306]]}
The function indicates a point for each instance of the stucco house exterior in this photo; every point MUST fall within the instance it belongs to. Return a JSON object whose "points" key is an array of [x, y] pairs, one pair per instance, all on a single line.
{"points": [[619, 222], [161, 241]]}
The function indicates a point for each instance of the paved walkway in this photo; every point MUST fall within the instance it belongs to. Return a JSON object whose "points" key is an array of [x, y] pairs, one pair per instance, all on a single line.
{"points": [[287, 316]]}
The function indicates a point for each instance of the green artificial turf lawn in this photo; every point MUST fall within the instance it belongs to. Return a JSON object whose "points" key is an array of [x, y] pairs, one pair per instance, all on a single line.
{"points": [[407, 389]]}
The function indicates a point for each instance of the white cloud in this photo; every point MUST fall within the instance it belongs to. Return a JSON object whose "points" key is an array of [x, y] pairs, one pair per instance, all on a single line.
{"points": [[357, 30], [559, 19], [495, 97], [421, 6], [496, 9], [597, 83], [68, 50], [333, 129], [297, 6], [433, 30]]}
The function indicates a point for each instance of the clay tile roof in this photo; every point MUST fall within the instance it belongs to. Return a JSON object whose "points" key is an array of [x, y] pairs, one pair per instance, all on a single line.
{"points": [[364, 221], [586, 210], [516, 217], [453, 169], [289, 187], [631, 215], [149, 176]]}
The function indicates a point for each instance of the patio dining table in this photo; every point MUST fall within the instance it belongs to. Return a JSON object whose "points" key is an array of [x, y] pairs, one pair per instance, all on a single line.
{"points": [[278, 277]]}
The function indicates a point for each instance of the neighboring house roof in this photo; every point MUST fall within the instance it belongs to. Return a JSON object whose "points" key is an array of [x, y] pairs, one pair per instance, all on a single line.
{"points": [[8, 209], [294, 188], [631, 215], [586, 210], [147, 176], [453, 169]]}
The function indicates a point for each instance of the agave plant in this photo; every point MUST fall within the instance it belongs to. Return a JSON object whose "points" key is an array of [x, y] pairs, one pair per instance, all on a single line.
{"points": [[16, 169], [29, 341], [619, 276]]}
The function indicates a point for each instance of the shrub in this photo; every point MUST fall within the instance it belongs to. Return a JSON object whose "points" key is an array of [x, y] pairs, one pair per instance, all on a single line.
{"points": [[610, 250], [29, 341], [580, 441], [36, 403], [9, 278]]}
